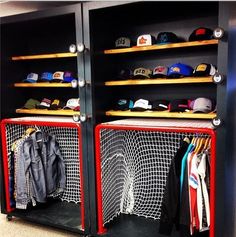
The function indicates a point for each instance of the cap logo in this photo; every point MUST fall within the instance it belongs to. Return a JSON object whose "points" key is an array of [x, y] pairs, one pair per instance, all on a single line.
{"points": [[159, 69], [142, 40], [175, 69], [164, 38], [201, 68], [200, 32]]}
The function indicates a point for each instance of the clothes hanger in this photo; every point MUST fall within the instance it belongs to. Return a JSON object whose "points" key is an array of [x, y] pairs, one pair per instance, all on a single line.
{"points": [[206, 144], [30, 130]]}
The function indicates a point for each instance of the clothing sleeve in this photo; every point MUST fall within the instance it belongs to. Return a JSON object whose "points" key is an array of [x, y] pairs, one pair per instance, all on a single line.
{"points": [[23, 163], [170, 202], [60, 167]]}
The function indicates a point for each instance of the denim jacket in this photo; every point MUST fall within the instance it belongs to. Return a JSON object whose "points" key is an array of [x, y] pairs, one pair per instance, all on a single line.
{"points": [[41, 155]]}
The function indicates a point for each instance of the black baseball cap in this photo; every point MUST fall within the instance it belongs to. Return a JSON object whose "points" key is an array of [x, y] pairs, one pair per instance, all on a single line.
{"points": [[204, 69], [124, 104], [160, 105], [124, 73], [179, 105], [166, 38], [201, 33]]}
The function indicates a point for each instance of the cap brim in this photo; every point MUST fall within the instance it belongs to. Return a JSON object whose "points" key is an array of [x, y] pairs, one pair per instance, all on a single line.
{"points": [[57, 80], [29, 80]]}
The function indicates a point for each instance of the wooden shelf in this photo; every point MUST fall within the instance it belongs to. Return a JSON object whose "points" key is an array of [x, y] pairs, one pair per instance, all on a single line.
{"points": [[163, 46], [161, 114], [184, 80], [48, 112], [44, 56], [42, 84]]}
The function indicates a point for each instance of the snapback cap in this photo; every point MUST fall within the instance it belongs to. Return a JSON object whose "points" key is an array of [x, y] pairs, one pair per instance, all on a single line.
{"points": [[31, 104], [124, 73], [141, 105], [201, 33], [204, 69], [160, 105], [142, 73], [124, 104], [160, 72], [123, 42], [72, 103], [58, 76], [202, 105], [31, 78], [145, 40], [68, 77], [179, 105], [178, 70], [46, 77], [166, 38]]}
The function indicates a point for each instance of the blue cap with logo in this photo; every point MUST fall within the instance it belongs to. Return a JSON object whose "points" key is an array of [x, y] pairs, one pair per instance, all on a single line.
{"points": [[179, 70]]}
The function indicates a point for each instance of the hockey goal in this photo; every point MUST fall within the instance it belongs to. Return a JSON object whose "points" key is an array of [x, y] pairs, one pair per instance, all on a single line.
{"points": [[68, 136], [132, 163]]}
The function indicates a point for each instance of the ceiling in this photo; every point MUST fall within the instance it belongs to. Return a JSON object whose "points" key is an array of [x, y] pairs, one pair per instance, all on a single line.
{"points": [[8, 8]]}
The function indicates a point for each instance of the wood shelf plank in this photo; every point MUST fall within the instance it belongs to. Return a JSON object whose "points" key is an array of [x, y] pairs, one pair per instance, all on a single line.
{"points": [[163, 46], [44, 56], [42, 84], [161, 114], [48, 112], [159, 81]]}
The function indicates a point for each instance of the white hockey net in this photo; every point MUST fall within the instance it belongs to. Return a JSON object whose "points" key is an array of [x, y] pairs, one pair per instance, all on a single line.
{"points": [[68, 139], [134, 169]]}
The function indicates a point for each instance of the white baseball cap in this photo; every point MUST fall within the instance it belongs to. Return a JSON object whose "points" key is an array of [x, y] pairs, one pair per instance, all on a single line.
{"points": [[202, 105]]}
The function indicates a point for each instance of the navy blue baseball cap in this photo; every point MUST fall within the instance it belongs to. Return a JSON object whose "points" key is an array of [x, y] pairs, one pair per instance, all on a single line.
{"points": [[178, 70]]}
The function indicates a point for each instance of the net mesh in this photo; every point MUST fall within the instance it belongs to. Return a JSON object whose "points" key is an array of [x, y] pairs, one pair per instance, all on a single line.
{"points": [[134, 168], [68, 139]]}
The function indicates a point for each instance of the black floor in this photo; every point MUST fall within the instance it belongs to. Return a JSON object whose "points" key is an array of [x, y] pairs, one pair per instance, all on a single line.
{"points": [[134, 226], [55, 213]]}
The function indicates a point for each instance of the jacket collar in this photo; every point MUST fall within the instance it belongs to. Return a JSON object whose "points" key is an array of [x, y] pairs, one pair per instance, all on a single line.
{"points": [[39, 137]]}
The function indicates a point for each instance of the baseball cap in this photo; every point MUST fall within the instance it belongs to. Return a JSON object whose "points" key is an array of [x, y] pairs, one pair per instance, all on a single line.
{"points": [[179, 105], [202, 105], [44, 104], [31, 78], [160, 105], [56, 104], [178, 70], [160, 72], [124, 73], [166, 38], [68, 77], [45, 77], [124, 104], [204, 69], [31, 104], [142, 73], [141, 105], [145, 40], [123, 42], [58, 76], [72, 103], [201, 33]]}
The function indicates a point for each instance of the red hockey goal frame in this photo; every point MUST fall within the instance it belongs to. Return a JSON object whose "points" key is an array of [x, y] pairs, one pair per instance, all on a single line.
{"points": [[196, 130], [40, 122]]}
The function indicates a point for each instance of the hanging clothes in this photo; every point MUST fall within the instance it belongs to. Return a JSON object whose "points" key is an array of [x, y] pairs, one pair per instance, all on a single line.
{"points": [[40, 169], [170, 202], [190, 211]]}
